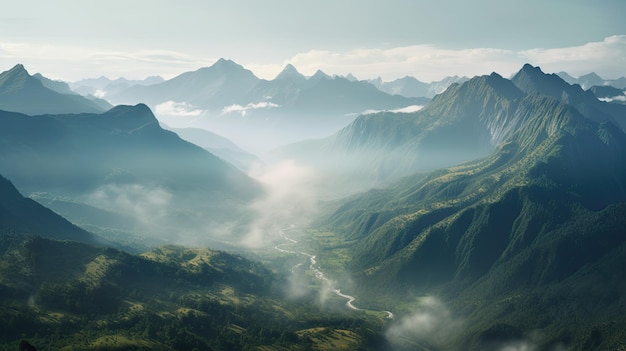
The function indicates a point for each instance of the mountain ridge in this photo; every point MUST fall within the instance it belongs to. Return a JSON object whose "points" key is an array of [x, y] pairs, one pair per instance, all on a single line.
{"points": [[122, 161], [502, 238], [21, 92]]}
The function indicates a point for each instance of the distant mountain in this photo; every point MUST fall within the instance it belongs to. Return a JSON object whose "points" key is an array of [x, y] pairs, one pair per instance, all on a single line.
{"points": [[465, 122], [592, 79], [218, 146], [21, 92], [225, 83], [55, 85], [411, 87], [532, 80], [515, 242], [20, 215], [259, 114], [64, 88], [609, 93], [291, 73], [104, 86], [121, 161]]}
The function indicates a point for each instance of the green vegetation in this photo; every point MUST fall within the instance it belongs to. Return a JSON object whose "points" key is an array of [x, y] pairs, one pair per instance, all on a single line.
{"points": [[62, 295], [523, 245]]}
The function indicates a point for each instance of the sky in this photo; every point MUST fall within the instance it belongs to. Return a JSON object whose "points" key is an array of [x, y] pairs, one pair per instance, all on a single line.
{"points": [[74, 39]]}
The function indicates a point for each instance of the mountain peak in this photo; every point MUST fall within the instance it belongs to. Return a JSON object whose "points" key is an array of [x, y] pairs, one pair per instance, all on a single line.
{"points": [[18, 68], [17, 71], [222, 62], [290, 72], [532, 80], [530, 69], [319, 74], [16, 78]]}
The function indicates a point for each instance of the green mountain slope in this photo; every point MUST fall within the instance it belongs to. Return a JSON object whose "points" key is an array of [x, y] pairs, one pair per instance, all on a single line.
{"points": [[72, 296], [532, 80], [21, 92], [465, 122], [518, 242]]}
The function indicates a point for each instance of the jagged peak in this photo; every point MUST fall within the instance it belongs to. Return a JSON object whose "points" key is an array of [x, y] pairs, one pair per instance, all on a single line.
{"points": [[289, 72], [319, 74], [530, 69], [592, 75], [141, 107], [18, 69], [478, 85], [533, 80], [222, 62]]}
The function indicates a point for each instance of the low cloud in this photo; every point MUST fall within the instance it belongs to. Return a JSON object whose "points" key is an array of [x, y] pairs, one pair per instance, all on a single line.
{"points": [[53, 60], [100, 93], [433, 63], [177, 109], [145, 204], [432, 323], [425, 62], [621, 98], [290, 200], [606, 58], [408, 109], [235, 108]]}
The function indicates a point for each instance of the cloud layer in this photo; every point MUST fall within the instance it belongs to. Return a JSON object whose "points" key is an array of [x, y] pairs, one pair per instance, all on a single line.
{"points": [[177, 109], [431, 323], [244, 109], [425, 62]]}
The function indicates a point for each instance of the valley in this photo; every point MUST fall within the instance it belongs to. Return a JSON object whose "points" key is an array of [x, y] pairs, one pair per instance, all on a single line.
{"points": [[488, 216]]}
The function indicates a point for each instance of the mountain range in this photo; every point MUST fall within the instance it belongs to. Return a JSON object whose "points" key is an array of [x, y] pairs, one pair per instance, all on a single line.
{"points": [[32, 95], [230, 100], [465, 122], [589, 80], [101, 168], [490, 219], [104, 86], [219, 146], [411, 87], [522, 244]]}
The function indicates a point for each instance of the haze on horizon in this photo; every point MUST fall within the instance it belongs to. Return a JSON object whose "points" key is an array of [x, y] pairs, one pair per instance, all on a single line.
{"points": [[429, 40]]}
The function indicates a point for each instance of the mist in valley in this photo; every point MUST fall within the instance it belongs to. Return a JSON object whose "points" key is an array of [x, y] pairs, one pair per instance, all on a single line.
{"points": [[219, 208]]}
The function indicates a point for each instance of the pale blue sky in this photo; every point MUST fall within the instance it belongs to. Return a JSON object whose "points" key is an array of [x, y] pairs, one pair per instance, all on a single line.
{"points": [[71, 39]]}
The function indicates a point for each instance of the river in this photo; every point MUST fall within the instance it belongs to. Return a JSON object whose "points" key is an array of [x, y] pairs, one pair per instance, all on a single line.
{"points": [[314, 267]]}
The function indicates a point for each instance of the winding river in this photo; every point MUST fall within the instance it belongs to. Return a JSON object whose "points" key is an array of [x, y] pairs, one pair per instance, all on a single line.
{"points": [[316, 270]]}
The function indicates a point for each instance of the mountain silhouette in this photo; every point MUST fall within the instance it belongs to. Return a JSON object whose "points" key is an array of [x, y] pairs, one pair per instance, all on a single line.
{"points": [[540, 220], [122, 162], [20, 215], [21, 92]]}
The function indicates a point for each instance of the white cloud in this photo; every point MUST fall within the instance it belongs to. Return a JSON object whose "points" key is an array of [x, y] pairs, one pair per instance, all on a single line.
{"points": [[100, 93], [177, 109], [607, 58], [290, 200], [432, 322], [425, 62], [621, 98], [408, 109], [71, 63], [244, 109], [146, 204]]}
